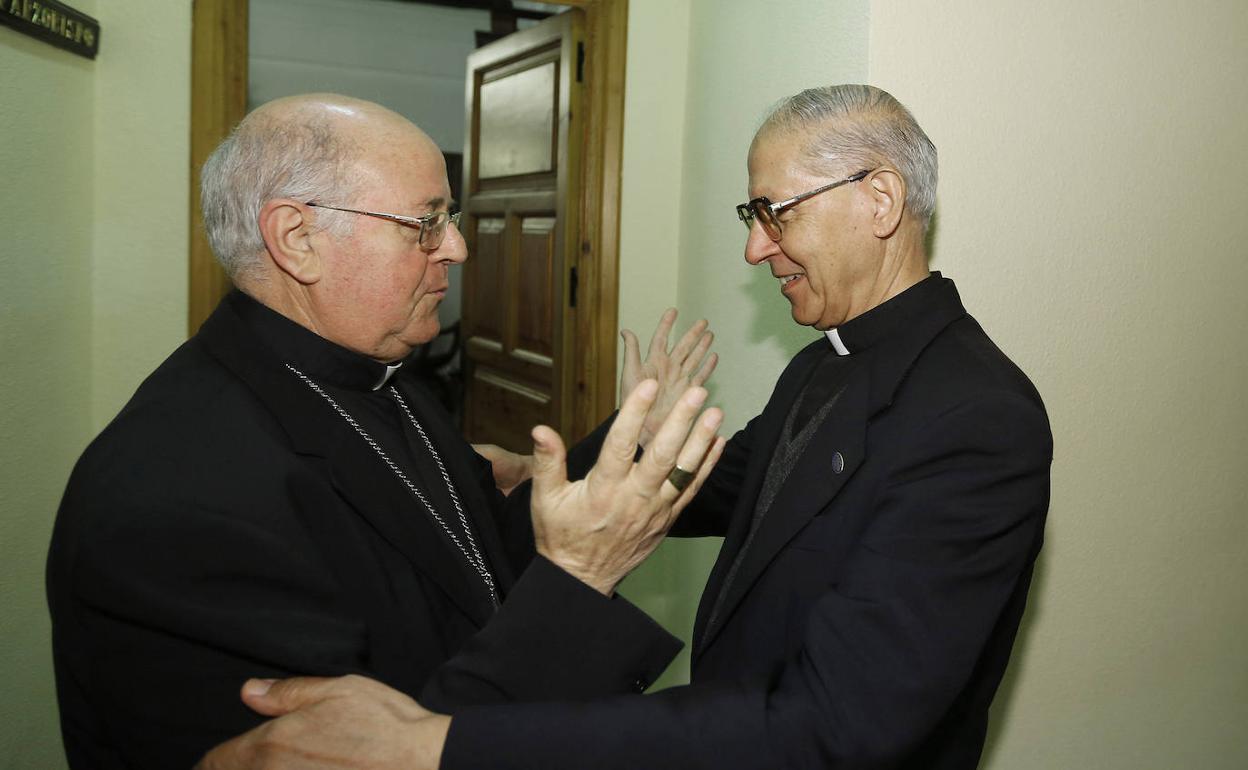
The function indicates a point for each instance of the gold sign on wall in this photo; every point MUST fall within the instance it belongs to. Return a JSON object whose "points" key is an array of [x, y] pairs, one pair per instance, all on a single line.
{"points": [[53, 22]]}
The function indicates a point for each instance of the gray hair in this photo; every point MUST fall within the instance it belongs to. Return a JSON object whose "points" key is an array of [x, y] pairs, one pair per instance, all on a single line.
{"points": [[856, 127], [301, 157]]}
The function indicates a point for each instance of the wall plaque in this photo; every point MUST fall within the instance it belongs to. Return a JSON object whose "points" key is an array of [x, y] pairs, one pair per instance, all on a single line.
{"points": [[53, 22]]}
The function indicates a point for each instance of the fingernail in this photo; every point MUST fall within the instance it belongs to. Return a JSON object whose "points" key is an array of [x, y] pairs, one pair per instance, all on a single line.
{"points": [[696, 396], [258, 687]]}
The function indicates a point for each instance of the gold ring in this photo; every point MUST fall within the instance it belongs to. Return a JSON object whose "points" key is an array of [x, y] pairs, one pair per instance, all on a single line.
{"points": [[679, 478]]}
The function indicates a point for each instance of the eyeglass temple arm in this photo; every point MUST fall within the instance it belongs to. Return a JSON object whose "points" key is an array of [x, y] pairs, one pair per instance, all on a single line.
{"points": [[799, 198]]}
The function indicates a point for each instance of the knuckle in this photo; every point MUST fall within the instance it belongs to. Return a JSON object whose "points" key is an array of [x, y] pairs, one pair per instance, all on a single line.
{"points": [[663, 458]]}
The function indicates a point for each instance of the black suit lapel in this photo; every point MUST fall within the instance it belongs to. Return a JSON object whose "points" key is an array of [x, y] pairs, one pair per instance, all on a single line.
{"points": [[356, 472], [835, 451], [770, 424]]}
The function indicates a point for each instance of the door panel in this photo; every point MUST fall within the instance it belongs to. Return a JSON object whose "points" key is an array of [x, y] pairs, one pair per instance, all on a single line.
{"points": [[484, 303], [518, 130], [506, 409], [521, 206], [534, 303]]}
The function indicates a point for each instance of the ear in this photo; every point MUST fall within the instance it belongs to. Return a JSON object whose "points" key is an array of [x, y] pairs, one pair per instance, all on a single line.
{"points": [[286, 227], [888, 193]]}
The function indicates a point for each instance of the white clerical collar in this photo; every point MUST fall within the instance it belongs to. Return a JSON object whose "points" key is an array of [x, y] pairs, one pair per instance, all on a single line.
{"points": [[835, 338], [390, 370]]}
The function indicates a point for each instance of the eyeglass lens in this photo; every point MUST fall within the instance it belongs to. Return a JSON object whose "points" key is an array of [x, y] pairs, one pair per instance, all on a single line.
{"points": [[760, 209], [433, 230]]}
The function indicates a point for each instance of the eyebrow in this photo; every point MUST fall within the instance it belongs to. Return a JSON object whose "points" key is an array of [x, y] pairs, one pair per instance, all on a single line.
{"points": [[436, 203]]}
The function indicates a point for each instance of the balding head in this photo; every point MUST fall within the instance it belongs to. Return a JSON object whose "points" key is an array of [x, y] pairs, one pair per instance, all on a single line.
{"points": [[303, 148]]}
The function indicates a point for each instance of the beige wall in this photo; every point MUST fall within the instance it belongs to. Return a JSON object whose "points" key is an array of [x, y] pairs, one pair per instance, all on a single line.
{"points": [[141, 228], [1092, 199], [46, 163], [92, 254]]}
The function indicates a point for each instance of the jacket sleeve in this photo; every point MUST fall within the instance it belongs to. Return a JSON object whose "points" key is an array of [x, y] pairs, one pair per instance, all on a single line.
{"points": [[887, 649], [553, 637]]}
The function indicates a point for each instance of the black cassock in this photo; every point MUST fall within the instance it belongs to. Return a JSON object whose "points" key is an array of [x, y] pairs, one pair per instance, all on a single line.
{"points": [[230, 523]]}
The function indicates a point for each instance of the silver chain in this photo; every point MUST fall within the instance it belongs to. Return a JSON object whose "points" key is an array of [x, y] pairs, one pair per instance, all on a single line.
{"points": [[472, 554]]}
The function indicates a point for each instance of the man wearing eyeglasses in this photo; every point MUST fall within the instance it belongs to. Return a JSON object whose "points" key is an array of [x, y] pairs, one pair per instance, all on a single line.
{"points": [[277, 498], [881, 517]]}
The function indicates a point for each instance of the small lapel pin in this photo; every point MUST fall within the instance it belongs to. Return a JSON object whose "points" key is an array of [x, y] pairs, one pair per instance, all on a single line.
{"points": [[838, 462]]}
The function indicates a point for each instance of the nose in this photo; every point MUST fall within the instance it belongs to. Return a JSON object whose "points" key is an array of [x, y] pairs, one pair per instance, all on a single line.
{"points": [[454, 248], [759, 247]]}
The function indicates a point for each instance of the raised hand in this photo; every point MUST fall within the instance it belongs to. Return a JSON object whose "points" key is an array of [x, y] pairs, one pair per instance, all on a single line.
{"points": [[346, 722], [684, 366], [600, 528]]}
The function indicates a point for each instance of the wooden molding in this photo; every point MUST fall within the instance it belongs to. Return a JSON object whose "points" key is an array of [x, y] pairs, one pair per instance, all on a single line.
{"points": [[606, 41], [218, 103]]}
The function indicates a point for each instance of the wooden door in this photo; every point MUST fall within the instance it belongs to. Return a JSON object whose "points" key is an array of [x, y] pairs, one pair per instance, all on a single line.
{"points": [[521, 207]]}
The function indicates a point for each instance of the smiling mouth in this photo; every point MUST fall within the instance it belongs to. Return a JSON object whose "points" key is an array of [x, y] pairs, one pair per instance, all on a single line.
{"points": [[785, 280]]}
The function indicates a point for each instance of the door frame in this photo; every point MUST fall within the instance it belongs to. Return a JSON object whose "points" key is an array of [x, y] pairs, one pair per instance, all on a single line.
{"points": [[219, 38]]}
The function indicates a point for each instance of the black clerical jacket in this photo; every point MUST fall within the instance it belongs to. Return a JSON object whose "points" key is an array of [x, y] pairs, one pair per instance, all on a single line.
{"points": [[228, 524], [873, 612]]}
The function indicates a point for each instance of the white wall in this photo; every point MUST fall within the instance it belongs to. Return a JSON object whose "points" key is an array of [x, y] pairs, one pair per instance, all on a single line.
{"points": [[1091, 208], [93, 224], [652, 178], [653, 170]]}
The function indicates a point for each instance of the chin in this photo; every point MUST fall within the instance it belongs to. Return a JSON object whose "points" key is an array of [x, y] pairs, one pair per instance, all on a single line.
{"points": [[423, 334], [804, 319]]}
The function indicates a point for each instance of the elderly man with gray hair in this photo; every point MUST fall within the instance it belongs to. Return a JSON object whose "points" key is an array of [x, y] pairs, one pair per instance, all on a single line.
{"points": [[881, 517], [278, 498]]}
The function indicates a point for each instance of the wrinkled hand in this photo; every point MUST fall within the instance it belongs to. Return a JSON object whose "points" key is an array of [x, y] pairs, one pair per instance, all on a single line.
{"points": [[685, 366], [600, 528], [510, 469], [347, 722]]}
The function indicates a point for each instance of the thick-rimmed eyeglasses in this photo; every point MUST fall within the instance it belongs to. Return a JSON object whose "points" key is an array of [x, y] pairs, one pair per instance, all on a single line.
{"points": [[768, 213], [432, 227]]}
